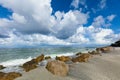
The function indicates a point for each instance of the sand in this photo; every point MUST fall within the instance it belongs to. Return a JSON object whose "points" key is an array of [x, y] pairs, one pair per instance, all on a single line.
{"points": [[105, 67]]}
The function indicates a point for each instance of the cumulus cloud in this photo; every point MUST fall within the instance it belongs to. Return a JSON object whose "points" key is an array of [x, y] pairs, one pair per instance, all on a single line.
{"points": [[96, 33], [70, 21], [79, 36], [75, 3], [111, 17], [4, 36], [31, 40], [33, 24], [101, 21], [18, 18], [34, 16], [4, 22], [102, 4], [92, 35], [104, 36]]}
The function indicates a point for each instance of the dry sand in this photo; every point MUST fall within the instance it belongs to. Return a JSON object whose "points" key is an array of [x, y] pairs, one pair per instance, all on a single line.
{"points": [[105, 67]]}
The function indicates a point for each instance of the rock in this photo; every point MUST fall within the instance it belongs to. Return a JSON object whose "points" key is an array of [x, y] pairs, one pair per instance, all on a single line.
{"points": [[33, 63], [47, 57], [57, 68], [1, 67], [30, 65], [116, 44], [39, 58], [82, 58], [106, 49], [9, 76], [97, 52], [63, 58], [1, 75], [79, 53]]}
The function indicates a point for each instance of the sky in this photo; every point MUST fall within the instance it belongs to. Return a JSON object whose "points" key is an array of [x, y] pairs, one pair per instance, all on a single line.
{"points": [[34, 23]]}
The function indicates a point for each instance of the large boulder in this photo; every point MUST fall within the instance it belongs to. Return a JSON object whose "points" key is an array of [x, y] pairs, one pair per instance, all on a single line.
{"points": [[78, 54], [30, 65], [47, 57], [106, 49], [82, 58], [97, 52], [9, 76], [39, 58], [1, 67], [33, 63], [2, 75], [57, 68], [63, 58]]}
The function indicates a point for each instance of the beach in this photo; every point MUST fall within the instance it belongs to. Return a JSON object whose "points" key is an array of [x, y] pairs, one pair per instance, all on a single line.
{"points": [[59, 40], [105, 67]]}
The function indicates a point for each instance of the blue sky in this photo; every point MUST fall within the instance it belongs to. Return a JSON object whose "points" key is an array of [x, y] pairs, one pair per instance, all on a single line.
{"points": [[59, 22]]}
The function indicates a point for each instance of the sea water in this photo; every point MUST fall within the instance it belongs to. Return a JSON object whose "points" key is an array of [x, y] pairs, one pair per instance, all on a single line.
{"points": [[17, 56]]}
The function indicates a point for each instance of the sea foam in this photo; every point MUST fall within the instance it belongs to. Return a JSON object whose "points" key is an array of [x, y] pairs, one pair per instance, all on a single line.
{"points": [[62, 54], [15, 62]]}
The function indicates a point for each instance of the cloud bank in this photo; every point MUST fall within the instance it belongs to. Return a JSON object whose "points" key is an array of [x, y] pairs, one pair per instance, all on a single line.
{"points": [[32, 24]]}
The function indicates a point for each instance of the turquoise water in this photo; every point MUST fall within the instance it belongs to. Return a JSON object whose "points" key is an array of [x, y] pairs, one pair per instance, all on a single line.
{"points": [[19, 55]]}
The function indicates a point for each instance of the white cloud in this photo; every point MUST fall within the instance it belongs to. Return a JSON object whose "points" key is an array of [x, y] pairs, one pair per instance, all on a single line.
{"points": [[18, 18], [101, 21], [75, 3], [31, 40], [111, 17], [102, 4], [79, 37], [4, 22], [70, 21], [83, 35], [92, 35], [32, 24], [37, 14], [103, 36], [35, 17]]}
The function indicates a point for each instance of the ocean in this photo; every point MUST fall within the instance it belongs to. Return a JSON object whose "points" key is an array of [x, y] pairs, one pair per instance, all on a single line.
{"points": [[10, 57]]}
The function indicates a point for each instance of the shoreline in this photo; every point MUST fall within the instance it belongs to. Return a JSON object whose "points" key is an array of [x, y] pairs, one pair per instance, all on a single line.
{"points": [[20, 61], [105, 67], [99, 67]]}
